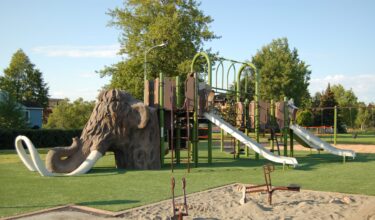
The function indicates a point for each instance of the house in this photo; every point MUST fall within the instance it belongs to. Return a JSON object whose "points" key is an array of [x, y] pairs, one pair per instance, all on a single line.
{"points": [[33, 115]]}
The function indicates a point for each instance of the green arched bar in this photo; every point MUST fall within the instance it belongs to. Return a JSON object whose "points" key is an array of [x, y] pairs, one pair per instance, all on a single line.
{"points": [[195, 127]]}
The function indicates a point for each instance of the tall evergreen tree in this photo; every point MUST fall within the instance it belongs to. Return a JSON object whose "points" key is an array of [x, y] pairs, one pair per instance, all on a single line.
{"points": [[327, 103], [317, 112], [36, 90], [23, 82], [145, 23]]}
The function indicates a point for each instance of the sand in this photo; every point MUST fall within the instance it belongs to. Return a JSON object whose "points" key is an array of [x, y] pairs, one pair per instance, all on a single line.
{"points": [[358, 148], [223, 203]]}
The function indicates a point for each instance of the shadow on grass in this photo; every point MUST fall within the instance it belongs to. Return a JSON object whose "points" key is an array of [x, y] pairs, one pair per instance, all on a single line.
{"points": [[107, 202], [29, 206], [103, 171], [14, 152], [311, 161], [306, 161], [8, 152], [221, 163]]}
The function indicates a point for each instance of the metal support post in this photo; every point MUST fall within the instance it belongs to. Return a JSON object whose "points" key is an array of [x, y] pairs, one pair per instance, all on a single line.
{"points": [[178, 130], [286, 126], [195, 126], [335, 127], [161, 117], [222, 140], [256, 99], [246, 118], [272, 113], [291, 136]]}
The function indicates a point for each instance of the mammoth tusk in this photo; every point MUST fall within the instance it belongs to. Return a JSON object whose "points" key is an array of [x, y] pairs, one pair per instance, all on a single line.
{"points": [[22, 153], [35, 163], [87, 164]]}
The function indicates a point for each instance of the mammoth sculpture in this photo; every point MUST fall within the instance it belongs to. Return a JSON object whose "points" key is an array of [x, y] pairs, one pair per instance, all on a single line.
{"points": [[118, 123]]}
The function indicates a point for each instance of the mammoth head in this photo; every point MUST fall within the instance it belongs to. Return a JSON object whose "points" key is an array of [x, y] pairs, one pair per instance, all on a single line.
{"points": [[119, 105]]}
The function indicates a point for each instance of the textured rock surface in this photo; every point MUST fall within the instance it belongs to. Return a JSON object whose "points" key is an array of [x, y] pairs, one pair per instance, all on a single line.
{"points": [[118, 123]]}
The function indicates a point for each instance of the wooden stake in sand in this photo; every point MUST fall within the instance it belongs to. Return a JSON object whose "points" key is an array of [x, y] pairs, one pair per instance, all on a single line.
{"points": [[179, 210]]}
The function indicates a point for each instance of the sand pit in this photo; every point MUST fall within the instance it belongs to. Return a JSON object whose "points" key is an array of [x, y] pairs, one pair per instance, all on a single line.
{"points": [[223, 203]]}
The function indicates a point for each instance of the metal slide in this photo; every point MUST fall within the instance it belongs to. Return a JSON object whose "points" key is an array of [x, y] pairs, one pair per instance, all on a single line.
{"points": [[314, 142], [248, 141]]}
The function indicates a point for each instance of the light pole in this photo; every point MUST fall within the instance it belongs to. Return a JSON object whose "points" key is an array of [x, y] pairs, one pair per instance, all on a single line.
{"points": [[145, 61]]}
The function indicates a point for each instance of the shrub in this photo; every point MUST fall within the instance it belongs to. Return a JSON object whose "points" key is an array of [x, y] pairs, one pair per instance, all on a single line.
{"points": [[304, 118], [67, 115], [41, 138]]}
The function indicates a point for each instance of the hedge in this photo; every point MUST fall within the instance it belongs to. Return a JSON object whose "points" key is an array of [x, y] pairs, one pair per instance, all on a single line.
{"points": [[41, 138]]}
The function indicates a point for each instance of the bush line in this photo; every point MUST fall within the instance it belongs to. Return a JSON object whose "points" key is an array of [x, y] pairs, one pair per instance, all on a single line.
{"points": [[41, 138]]}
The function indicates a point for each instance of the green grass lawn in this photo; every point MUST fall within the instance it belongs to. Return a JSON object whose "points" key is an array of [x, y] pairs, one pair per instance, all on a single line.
{"points": [[362, 138], [108, 188], [367, 138]]}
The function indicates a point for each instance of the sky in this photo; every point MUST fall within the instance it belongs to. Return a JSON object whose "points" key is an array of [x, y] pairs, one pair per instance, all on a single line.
{"points": [[70, 40]]}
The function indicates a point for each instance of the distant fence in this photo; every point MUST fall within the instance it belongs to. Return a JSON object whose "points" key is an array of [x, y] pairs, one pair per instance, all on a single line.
{"points": [[320, 129]]}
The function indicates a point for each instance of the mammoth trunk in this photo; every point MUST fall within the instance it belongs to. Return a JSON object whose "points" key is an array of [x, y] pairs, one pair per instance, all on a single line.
{"points": [[66, 159]]}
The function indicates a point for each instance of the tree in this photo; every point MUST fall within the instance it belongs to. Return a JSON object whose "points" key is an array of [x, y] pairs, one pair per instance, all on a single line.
{"points": [[305, 118], [327, 111], [327, 102], [282, 72], [68, 115], [371, 108], [346, 98], [23, 82], [315, 100], [145, 23], [11, 113], [364, 117], [36, 90], [317, 112]]}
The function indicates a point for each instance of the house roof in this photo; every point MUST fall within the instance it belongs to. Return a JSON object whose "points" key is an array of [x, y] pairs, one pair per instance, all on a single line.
{"points": [[33, 108], [30, 104]]}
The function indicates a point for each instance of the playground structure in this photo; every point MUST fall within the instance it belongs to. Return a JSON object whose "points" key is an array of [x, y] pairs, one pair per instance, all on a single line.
{"points": [[189, 121], [195, 116], [137, 135]]}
